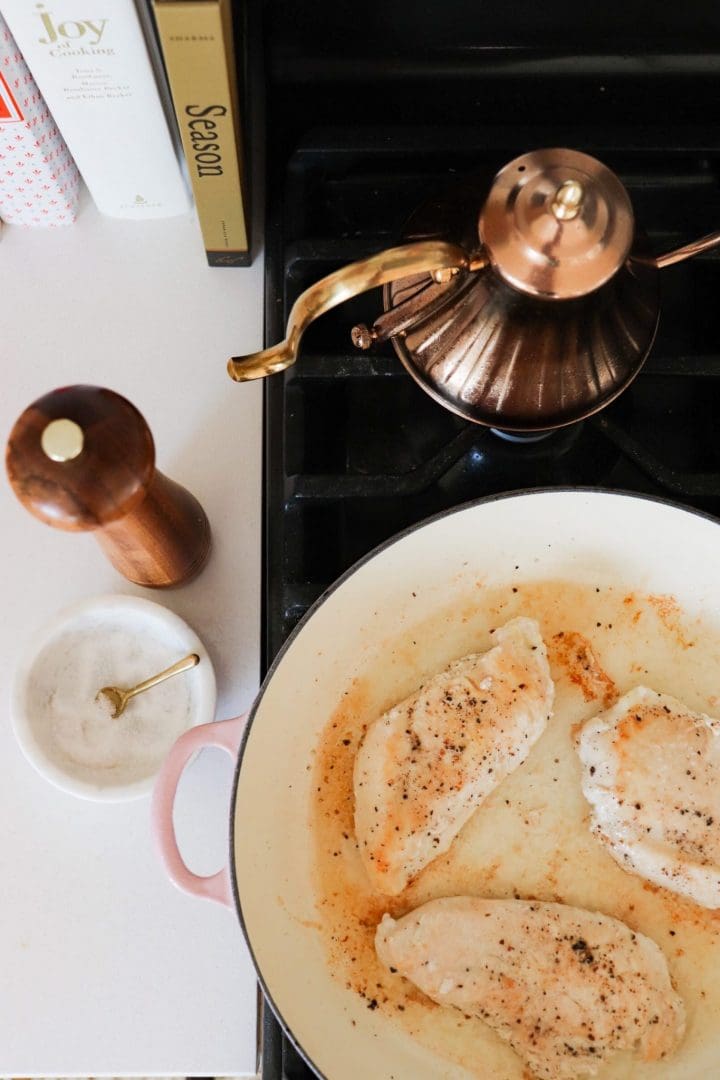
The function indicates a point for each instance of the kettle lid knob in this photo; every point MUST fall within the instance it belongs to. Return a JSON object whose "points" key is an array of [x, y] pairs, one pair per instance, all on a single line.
{"points": [[557, 224], [568, 200]]}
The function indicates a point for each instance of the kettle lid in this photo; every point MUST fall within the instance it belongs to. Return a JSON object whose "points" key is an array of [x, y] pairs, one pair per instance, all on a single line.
{"points": [[557, 224]]}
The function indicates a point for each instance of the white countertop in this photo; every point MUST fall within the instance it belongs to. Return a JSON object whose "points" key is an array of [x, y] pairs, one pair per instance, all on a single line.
{"points": [[107, 968]]}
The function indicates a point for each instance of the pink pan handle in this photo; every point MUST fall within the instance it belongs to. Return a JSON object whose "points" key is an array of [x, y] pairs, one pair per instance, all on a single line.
{"points": [[226, 735]]}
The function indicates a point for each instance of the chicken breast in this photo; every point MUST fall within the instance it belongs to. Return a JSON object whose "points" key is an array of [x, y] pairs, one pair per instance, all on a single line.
{"points": [[650, 773], [565, 987], [425, 766]]}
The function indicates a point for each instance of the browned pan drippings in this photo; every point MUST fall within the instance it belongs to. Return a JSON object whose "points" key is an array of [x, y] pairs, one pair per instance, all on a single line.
{"points": [[531, 837]]}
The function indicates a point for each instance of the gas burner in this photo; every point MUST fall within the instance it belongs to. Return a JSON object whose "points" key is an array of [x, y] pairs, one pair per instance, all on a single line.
{"points": [[521, 436]]}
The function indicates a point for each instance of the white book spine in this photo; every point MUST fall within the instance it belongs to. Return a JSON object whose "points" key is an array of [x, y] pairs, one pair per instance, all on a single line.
{"points": [[91, 64]]}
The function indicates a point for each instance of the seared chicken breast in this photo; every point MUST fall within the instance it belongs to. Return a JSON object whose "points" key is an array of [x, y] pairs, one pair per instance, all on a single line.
{"points": [[651, 773], [426, 765], [565, 987]]}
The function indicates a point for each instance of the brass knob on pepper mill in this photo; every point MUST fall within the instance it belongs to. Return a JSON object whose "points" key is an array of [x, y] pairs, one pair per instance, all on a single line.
{"points": [[83, 458]]}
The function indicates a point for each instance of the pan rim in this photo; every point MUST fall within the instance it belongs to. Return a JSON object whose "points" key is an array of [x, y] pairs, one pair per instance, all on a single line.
{"points": [[289, 641]]}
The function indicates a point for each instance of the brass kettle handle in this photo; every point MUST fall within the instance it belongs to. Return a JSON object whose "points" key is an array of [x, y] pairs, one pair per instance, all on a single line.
{"points": [[424, 256]]}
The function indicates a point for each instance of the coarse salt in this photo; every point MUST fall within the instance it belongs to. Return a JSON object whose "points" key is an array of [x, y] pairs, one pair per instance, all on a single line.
{"points": [[77, 731]]}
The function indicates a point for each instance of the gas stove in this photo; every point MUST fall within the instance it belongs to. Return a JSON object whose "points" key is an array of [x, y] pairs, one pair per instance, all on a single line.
{"points": [[355, 451]]}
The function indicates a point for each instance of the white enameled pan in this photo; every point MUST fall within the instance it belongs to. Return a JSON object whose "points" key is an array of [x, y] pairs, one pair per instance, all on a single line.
{"points": [[634, 579]]}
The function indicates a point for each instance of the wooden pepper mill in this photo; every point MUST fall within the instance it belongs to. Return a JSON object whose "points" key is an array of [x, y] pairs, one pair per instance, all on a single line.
{"points": [[82, 458]]}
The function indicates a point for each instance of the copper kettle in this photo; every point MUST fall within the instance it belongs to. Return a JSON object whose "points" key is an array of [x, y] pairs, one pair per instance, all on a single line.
{"points": [[525, 312]]}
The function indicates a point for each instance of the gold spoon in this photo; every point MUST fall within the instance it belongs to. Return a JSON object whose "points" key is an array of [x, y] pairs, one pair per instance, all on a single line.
{"points": [[119, 698]]}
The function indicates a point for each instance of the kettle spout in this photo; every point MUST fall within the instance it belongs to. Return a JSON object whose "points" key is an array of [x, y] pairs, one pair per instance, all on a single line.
{"points": [[705, 243]]}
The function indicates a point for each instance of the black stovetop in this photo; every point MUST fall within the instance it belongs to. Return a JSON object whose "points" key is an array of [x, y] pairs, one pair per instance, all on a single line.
{"points": [[355, 451]]}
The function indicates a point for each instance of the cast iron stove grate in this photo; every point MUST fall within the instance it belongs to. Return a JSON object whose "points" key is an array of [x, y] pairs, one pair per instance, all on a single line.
{"points": [[355, 451]]}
